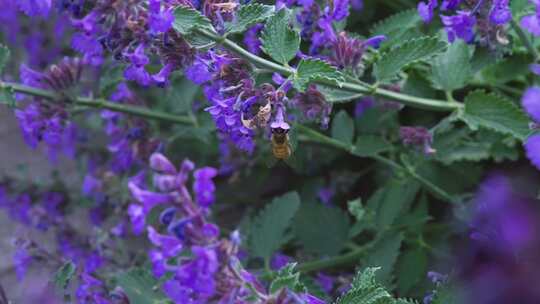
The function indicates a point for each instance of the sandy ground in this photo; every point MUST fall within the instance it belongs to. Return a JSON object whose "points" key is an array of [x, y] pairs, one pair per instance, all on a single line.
{"points": [[17, 159]]}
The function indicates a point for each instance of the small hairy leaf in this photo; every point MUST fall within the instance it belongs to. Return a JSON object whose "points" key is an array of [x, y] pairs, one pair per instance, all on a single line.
{"points": [[64, 275], [343, 127], [269, 226], [140, 286], [451, 69], [365, 290], [4, 57], [279, 40], [309, 70], [287, 277], [507, 69], [496, 113], [369, 145], [392, 61], [315, 222], [248, 15], [187, 18]]}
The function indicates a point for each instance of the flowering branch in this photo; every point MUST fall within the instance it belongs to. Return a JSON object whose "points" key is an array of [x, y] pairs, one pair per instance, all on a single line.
{"points": [[321, 138], [100, 104], [366, 89]]}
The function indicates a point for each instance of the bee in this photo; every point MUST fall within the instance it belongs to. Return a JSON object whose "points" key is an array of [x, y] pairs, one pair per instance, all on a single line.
{"points": [[281, 147], [260, 120]]}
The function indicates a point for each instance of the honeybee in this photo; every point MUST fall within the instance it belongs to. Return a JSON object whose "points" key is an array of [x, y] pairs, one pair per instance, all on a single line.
{"points": [[281, 147], [260, 120]]}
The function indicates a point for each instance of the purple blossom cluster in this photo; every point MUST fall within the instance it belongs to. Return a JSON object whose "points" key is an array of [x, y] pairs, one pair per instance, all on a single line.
{"points": [[211, 272], [502, 255], [484, 19]]}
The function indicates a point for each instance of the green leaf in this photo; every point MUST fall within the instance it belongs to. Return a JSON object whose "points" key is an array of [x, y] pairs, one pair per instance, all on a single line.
{"points": [[109, 80], [4, 57], [369, 145], [315, 222], [384, 254], [343, 127], [451, 69], [249, 15], [63, 275], [7, 97], [507, 69], [279, 40], [287, 277], [356, 209], [411, 267], [270, 225], [496, 113], [334, 95], [392, 61], [388, 202], [309, 70], [186, 19], [397, 27], [365, 290], [140, 287]]}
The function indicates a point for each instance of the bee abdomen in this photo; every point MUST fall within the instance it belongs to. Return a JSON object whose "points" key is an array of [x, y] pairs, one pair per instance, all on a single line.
{"points": [[281, 151]]}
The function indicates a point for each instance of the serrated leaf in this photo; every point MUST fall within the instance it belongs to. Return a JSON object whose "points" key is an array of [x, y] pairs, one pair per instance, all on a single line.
{"points": [[343, 127], [279, 40], [334, 95], [140, 287], [451, 69], [287, 277], [412, 268], [315, 222], [507, 69], [398, 27], [64, 274], [369, 145], [496, 113], [4, 57], [270, 225], [309, 70], [186, 19], [248, 15], [388, 202], [384, 254], [392, 61], [402, 20], [365, 290]]}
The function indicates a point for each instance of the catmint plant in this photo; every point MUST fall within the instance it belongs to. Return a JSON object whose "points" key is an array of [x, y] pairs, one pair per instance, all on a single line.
{"points": [[287, 152]]}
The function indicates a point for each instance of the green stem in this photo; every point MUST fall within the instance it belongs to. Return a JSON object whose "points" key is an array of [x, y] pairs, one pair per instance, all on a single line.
{"points": [[340, 260], [318, 137], [100, 104], [525, 40], [413, 101]]}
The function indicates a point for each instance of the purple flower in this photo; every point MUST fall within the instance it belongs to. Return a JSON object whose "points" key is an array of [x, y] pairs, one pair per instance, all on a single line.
{"points": [[21, 260], [426, 10], [459, 26], [35, 8], [532, 150], [136, 71], [160, 21], [313, 105], [531, 102], [203, 186], [279, 260], [500, 12], [251, 39], [419, 137], [531, 23]]}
